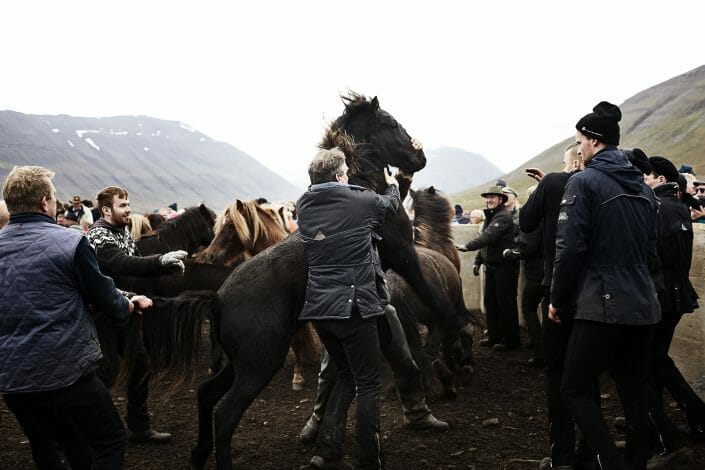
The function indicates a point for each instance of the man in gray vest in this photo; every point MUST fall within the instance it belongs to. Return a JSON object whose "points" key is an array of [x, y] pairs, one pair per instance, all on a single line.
{"points": [[49, 349]]}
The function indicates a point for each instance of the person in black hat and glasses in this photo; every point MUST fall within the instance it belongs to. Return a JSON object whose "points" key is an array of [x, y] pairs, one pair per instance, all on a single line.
{"points": [[605, 239], [501, 274]]}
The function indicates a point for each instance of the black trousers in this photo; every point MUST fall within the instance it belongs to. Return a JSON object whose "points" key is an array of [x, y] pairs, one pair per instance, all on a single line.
{"points": [[666, 374], [113, 346], [593, 346], [353, 346], [501, 302], [407, 376], [561, 427], [531, 296], [81, 418]]}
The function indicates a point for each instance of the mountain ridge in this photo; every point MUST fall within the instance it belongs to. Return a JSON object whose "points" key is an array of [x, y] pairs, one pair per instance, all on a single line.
{"points": [[157, 161]]}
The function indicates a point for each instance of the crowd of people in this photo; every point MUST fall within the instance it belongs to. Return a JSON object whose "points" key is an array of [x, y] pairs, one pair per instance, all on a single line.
{"points": [[605, 248], [616, 233]]}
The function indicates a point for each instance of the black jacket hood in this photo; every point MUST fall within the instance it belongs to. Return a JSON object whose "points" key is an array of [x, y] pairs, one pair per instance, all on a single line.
{"points": [[614, 163]]}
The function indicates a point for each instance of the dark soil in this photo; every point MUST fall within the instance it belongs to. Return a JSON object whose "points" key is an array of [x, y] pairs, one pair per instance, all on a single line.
{"points": [[503, 387]]}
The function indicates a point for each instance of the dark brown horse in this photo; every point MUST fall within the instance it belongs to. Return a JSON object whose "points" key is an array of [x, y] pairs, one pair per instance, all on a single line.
{"points": [[191, 231], [255, 311], [242, 230], [440, 265]]}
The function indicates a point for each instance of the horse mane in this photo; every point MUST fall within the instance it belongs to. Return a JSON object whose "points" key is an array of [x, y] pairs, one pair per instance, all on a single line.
{"points": [[359, 157], [252, 223], [177, 233], [433, 213], [283, 213], [139, 226]]}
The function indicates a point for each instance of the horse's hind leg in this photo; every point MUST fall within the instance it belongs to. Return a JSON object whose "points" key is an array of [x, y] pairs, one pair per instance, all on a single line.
{"points": [[209, 392], [242, 393], [304, 346], [297, 381]]}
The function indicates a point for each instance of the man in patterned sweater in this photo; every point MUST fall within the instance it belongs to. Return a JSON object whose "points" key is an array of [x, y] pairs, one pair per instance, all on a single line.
{"points": [[118, 256]]}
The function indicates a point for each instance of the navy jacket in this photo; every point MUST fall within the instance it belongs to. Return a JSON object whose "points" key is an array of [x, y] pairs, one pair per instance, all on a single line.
{"points": [[605, 237], [337, 223], [48, 279]]}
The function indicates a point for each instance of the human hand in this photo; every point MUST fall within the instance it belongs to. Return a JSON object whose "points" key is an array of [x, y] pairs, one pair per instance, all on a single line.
{"points": [[416, 144], [553, 314], [174, 260], [140, 302], [535, 173], [695, 214], [389, 178], [511, 254], [462, 248], [476, 270]]}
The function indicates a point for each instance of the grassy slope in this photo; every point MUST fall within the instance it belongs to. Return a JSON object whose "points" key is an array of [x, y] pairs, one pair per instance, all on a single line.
{"points": [[667, 119]]}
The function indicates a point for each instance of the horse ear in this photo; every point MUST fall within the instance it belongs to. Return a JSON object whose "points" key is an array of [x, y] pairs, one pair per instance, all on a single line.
{"points": [[431, 190], [239, 204], [375, 104], [412, 193]]}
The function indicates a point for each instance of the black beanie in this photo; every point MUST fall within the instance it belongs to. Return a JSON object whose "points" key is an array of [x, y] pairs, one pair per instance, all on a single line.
{"points": [[664, 167], [602, 123], [638, 158]]}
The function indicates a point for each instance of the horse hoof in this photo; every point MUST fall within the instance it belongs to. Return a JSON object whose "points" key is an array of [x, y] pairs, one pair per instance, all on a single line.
{"points": [[297, 382]]}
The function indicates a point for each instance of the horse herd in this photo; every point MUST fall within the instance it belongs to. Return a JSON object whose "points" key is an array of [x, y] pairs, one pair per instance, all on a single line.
{"points": [[247, 286]]}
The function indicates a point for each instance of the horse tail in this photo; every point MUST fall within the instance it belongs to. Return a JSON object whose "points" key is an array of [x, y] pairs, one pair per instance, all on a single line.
{"points": [[175, 333]]}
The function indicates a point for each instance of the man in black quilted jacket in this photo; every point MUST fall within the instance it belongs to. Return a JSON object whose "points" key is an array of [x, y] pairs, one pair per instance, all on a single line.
{"points": [[346, 293]]}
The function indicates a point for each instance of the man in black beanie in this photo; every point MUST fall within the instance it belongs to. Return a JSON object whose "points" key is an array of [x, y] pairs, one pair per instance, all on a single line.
{"points": [[638, 158], [605, 234], [676, 297]]}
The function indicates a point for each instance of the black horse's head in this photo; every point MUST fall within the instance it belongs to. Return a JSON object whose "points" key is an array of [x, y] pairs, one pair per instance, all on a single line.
{"points": [[379, 140]]}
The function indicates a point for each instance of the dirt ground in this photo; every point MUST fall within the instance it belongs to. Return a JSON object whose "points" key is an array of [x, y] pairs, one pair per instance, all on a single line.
{"points": [[503, 387]]}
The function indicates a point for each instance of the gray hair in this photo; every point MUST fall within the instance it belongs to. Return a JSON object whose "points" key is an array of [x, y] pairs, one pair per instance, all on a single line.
{"points": [[326, 165]]}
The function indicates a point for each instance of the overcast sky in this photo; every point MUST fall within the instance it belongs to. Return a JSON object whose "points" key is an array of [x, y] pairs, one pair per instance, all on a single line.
{"points": [[505, 79]]}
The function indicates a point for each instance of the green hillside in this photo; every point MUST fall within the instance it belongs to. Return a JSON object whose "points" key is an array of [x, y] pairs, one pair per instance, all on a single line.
{"points": [[667, 119]]}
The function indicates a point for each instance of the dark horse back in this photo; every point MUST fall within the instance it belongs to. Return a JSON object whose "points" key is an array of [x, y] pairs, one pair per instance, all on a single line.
{"points": [[274, 281]]}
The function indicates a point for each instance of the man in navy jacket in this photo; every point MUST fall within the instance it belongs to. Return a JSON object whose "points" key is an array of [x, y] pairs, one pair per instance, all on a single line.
{"points": [[606, 237]]}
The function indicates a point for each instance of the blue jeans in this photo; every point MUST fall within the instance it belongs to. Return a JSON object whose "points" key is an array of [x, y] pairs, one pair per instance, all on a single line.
{"points": [[353, 346]]}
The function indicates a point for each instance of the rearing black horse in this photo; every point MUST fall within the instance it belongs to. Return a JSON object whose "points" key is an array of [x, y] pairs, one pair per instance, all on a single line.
{"points": [[255, 311]]}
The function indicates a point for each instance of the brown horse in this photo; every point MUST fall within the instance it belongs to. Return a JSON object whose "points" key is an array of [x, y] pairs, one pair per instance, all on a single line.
{"points": [[440, 265], [242, 230]]}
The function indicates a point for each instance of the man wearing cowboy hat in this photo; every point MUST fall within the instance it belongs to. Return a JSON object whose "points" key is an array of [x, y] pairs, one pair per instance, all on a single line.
{"points": [[501, 274]]}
